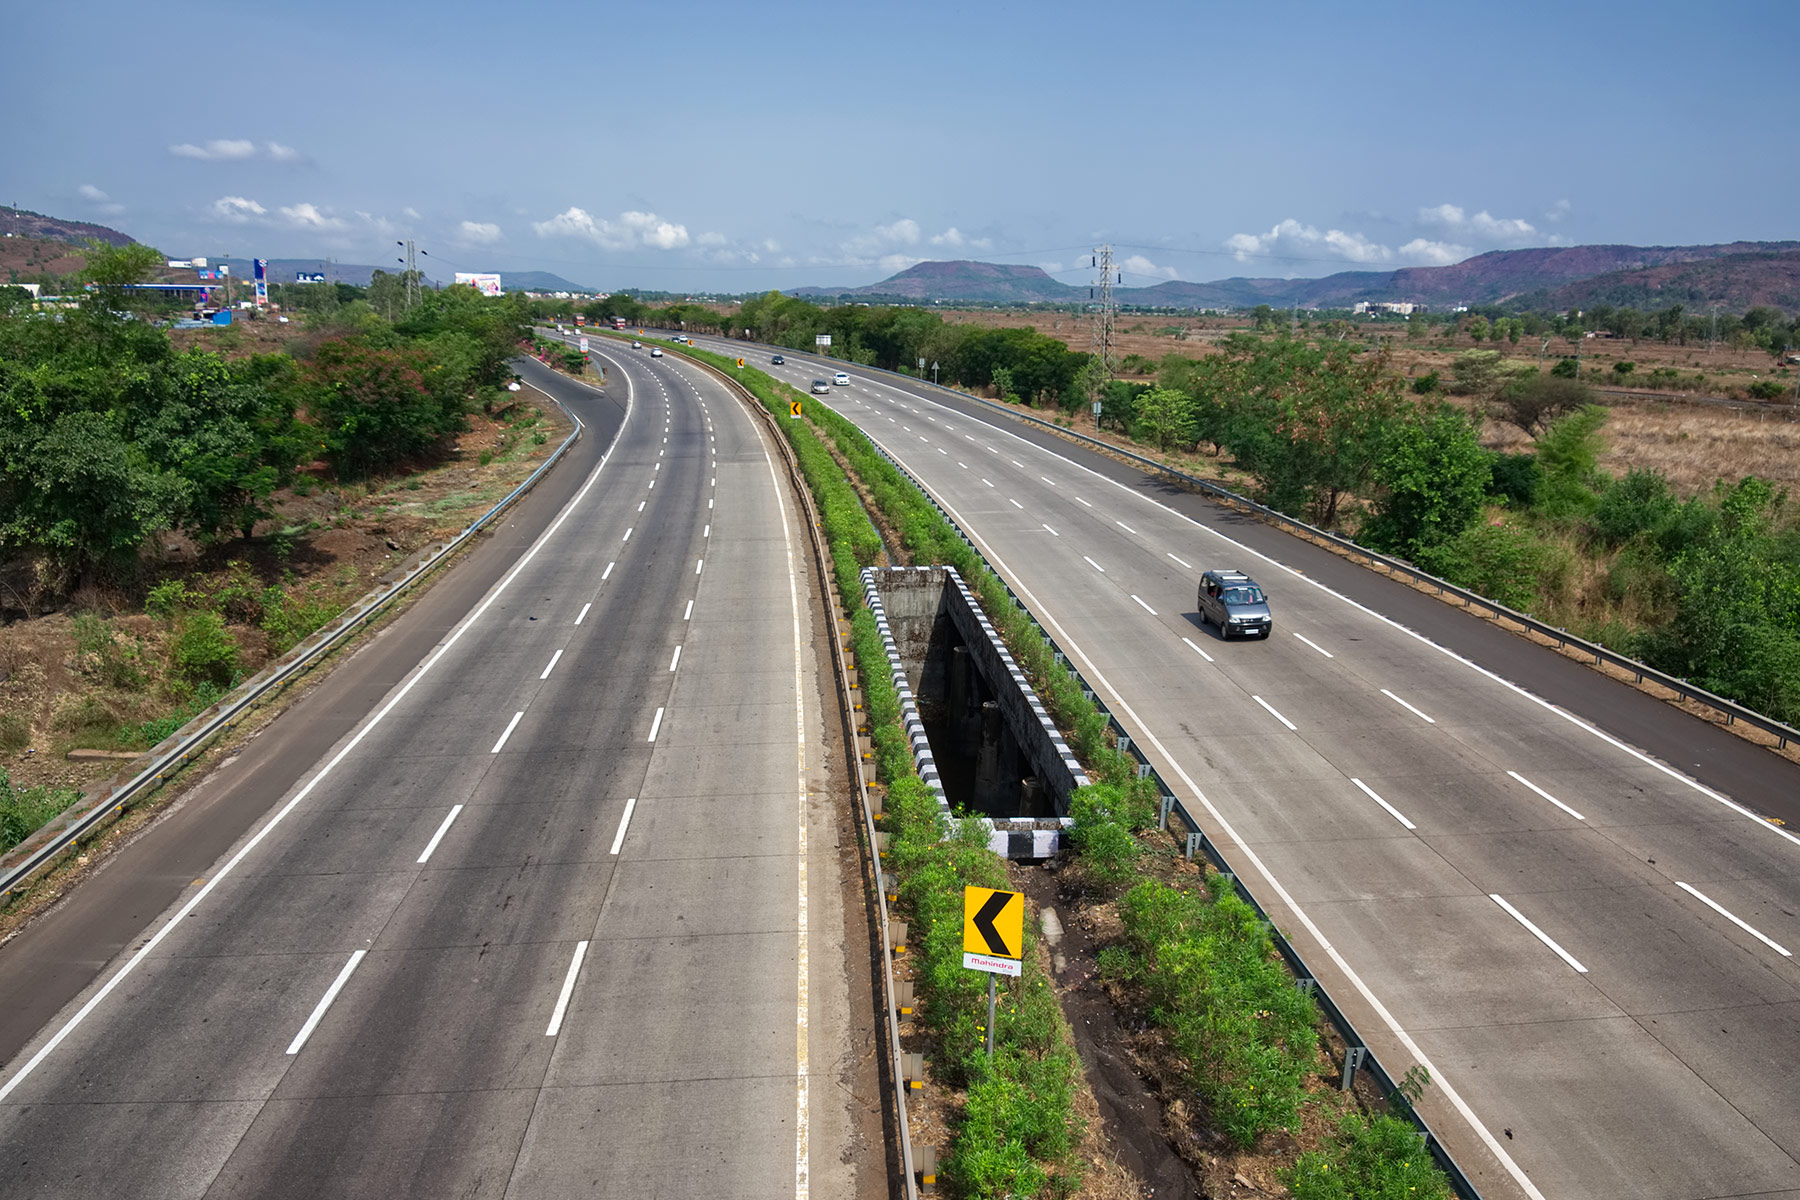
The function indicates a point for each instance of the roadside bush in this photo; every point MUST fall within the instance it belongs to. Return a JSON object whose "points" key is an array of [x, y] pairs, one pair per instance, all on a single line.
{"points": [[289, 619], [1101, 832], [1500, 562], [103, 656], [23, 811], [1767, 389], [203, 650], [1515, 478], [1369, 1158]]}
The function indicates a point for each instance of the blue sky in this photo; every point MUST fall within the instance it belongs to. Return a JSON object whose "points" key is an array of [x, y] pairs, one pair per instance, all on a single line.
{"points": [[735, 147]]}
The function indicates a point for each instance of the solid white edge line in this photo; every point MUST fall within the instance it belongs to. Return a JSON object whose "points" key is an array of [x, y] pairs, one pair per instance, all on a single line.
{"points": [[1537, 933], [510, 726], [206, 889], [551, 666], [1315, 645], [624, 821], [584, 612], [568, 990], [1391, 810], [1701, 896], [1142, 605], [675, 660], [1409, 708], [1270, 709], [655, 724], [441, 831], [1443, 1086], [1197, 650], [1546, 795], [318, 1012]]}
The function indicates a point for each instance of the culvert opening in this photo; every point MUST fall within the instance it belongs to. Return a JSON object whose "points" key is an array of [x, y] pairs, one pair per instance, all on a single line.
{"points": [[981, 736]]}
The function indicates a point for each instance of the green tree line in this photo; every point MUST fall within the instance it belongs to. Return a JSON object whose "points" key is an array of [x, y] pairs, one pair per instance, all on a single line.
{"points": [[110, 436]]}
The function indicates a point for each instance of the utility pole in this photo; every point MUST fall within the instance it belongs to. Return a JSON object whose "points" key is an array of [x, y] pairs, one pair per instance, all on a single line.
{"points": [[1100, 346], [412, 273]]}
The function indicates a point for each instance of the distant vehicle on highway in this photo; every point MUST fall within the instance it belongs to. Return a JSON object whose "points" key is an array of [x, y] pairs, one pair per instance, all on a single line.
{"points": [[841, 379], [656, 352], [821, 388], [777, 360], [1232, 601], [637, 345]]}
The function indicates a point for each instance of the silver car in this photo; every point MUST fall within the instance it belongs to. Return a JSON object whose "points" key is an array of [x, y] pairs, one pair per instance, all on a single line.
{"points": [[1232, 601]]}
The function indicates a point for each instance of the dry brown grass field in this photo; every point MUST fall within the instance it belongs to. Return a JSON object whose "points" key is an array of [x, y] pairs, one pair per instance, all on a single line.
{"points": [[1694, 445]]}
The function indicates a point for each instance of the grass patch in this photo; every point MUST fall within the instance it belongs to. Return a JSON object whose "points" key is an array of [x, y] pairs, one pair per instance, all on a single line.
{"points": [[23, 811]]}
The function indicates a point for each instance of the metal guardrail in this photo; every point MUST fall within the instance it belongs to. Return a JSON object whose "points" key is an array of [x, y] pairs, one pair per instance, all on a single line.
{"points": [[42, 848], [847, 710], [1732, 711], [1358, 1054]]}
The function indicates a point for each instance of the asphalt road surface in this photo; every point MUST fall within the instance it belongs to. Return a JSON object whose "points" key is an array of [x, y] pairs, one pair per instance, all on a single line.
{"points": [[1561, 895], [538, 916]]}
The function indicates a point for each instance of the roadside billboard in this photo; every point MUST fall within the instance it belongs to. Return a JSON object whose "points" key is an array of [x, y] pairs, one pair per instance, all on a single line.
{"points": [[487, 285]]}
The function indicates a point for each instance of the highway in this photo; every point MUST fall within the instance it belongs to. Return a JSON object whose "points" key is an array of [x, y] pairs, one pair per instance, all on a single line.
{"points": [[1560, 895], [553, 910]]}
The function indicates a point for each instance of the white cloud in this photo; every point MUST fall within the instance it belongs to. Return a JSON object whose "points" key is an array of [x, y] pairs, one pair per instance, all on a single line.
{"points": [[410, 212], [710, 239], [236, 209], [631, 230], [217, 150], [1137, 264], [1483, 224], [957, 238], [1050, 268], [893, 264], [281, 153], [771, 246], [1558, 211], [1433, 254], [308, 216], [101, 202], [480, 233], [1291, 239]]}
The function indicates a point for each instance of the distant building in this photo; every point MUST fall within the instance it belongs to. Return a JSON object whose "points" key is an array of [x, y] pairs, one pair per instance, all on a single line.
{"points": [[1393, 308]]}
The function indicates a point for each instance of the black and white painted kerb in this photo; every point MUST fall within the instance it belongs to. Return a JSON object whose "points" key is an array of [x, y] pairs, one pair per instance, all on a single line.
{"points": [[1013, 838]]}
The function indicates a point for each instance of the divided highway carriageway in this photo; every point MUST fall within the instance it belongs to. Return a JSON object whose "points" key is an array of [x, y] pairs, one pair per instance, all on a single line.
{"points": [[1561, 895], [532, 896]]}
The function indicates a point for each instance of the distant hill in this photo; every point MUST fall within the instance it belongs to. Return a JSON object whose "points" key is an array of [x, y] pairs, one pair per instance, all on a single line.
{"points": [[1735, 283], [19, 222], [540, 281], [1690, 274], [974, 282]]}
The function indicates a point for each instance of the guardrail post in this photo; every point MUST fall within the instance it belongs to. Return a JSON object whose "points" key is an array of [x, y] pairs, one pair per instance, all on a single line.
{"points": [[1168, 806], [1124, 744], [1195, 843], [1143, 770], [1353, 1058]]}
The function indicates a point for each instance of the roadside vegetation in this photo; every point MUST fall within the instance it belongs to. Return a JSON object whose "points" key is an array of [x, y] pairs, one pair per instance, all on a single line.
{"points": [[1699, 576], [1192, 956], [176, 510]]}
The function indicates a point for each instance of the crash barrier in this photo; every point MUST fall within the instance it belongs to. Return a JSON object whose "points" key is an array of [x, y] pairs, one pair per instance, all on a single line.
{"points": [[905, 1070], [1358, 1054], [1731, 711], [174, 752]]}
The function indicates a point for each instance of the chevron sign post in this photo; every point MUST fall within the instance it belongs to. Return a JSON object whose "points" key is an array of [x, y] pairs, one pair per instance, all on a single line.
{"points": [[993, 939]]}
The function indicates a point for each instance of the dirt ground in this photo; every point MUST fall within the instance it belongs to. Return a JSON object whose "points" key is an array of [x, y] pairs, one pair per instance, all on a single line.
{"points": [[326, 545]]}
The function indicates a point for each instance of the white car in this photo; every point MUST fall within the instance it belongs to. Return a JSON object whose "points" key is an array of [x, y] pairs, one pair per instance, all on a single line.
{"points": [[841, 379], [637, 345], [656, 352]]}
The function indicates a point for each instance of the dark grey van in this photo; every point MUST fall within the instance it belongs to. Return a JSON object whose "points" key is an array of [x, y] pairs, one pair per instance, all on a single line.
{"points": [[1232, 601]]}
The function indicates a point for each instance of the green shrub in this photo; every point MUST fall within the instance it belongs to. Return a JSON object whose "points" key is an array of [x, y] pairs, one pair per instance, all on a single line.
{"points": [[23, 811], [167, 599], [288, 619], [1379, 1158], [102, 655], [1767, 389], [203, 650], [148, 733], [15, 731]]}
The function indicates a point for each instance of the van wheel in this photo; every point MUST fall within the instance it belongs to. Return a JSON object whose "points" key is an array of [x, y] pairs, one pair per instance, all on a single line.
{"points": [[1267, 632]]}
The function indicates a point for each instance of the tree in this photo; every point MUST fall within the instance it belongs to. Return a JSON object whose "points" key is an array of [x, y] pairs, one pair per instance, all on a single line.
{"points": [[1431, 476], [1165, 418], [1569, 452], [1532, 402], [373, 406]]}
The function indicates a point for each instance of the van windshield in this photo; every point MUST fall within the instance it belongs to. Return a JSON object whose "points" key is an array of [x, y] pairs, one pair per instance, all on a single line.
{"points": [[1243, 595]]}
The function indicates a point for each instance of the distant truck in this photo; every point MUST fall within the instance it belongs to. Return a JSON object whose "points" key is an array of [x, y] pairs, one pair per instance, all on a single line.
{"points": [[618, 322]]}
